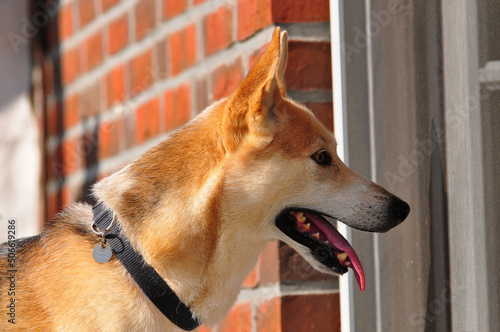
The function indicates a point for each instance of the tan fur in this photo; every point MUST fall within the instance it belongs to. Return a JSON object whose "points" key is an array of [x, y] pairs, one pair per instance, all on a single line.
{"points": [[198, 206]]}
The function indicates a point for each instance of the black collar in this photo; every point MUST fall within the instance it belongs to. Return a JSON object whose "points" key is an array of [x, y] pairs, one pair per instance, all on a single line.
{"points": [[155, 288]]}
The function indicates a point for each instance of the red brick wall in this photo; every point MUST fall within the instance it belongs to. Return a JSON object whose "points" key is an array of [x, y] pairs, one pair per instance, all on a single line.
{"points": [[121, 75]]}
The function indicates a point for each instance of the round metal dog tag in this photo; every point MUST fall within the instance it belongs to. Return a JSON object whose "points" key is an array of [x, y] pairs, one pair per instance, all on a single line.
{"points": [[102, 254]]}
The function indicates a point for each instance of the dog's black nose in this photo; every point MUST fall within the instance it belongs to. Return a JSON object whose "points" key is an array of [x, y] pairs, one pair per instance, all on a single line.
{"points": [[399, 209]]}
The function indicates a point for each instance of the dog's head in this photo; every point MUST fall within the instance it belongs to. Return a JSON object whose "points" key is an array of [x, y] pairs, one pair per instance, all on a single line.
{"points": [[284, 159], [253, 167]]}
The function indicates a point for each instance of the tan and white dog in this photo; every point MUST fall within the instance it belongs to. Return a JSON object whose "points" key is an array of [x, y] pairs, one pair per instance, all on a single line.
{"points": [[199, 207]]}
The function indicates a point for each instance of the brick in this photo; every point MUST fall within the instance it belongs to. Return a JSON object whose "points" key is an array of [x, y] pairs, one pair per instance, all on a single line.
{"points": [[86, 9], [226, 78], [252, 280], [141, 72], [182, 47], [190, 45], [52, 205], [170, 109], [294, 268], [238, 319], [70, 156], [67, 196], [145, 17], [55, 165], [183, 104], [269, 264], [107, 4], [253, 15], [65, 21], [147, 121], [162, 59], [106, 103], [292, 11], [218, 28], [115, 85], [93, 50], [173, 8], [127, 125], [48, 76], [107, 138], [118, 34], [202, 96], [70, 112], [255, 56], [309, 66], [177, 106], [122, 137], [310, 313], [52, 171], [324, 113], [89, 100], [89, 148], [70, 65], [268, 316]]}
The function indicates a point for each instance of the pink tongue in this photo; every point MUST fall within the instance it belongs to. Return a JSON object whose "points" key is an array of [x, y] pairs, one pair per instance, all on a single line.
{"points": [[340, 243]]}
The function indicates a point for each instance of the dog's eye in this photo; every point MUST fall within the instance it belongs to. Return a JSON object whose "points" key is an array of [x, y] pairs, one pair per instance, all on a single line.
{"points": [[322, 158]]}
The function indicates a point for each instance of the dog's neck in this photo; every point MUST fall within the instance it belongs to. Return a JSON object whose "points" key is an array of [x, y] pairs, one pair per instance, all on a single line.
{"points": [[175, 218]]}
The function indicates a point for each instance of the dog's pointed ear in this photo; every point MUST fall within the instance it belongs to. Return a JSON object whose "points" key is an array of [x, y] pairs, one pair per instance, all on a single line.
{"points": [[253, 107], [283, 58]]}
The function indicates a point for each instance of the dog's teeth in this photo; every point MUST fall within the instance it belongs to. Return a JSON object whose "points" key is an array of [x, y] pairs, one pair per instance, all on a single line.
{"points": [[326, 242], [308, 226], [300, 217], [342, 256], [316, 235], [347, 263]]}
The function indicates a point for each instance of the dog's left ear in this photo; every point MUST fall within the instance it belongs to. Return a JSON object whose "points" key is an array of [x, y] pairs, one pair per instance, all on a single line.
{"points": [[254, 106], [265, 111]]}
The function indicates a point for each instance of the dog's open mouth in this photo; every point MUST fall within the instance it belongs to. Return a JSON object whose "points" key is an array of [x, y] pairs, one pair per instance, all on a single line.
{"points": [[327, 245]]}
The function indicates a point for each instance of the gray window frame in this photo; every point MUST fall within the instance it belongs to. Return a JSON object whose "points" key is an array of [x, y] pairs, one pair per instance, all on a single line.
{"points": [[418, 118]]}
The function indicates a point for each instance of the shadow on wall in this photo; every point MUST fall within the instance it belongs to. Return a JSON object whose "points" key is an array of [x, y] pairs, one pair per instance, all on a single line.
{"points": [[437, 315], [64, 152]]}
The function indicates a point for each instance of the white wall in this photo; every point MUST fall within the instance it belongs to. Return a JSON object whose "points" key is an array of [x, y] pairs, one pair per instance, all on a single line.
{"points": [[20, 157]]}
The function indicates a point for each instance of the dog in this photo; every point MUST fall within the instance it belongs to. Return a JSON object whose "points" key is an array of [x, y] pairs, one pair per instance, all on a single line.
{"points": [[197, 209]]}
